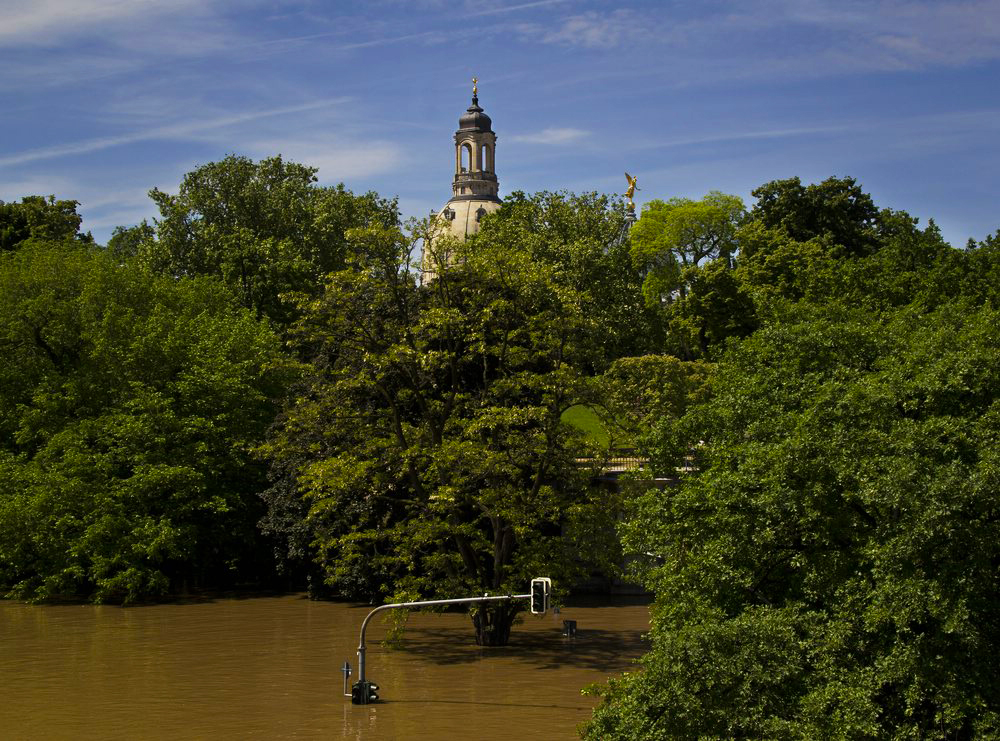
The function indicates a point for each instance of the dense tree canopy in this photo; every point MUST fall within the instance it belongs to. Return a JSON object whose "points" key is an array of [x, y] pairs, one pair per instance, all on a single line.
{"points": [[128, 404], [837, 209], [583, 238], [829, 571], [429, 446], [36, 217], [685, 251], [828, 567], [264, 228]]}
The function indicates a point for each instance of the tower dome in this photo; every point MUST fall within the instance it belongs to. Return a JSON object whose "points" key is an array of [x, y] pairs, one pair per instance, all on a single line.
{"points": [[474, 119]]}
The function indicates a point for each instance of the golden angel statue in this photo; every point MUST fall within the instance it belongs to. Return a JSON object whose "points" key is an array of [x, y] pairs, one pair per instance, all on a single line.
{"points": [[632, 188]]}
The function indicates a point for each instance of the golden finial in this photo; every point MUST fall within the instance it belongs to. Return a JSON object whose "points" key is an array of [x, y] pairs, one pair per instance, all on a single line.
{"points": [[475, 89]]}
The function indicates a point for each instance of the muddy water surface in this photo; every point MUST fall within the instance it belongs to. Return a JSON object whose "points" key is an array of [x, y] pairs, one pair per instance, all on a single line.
{"points": [[269, 667]]}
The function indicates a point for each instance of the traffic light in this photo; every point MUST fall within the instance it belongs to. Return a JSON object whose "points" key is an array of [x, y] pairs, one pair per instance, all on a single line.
{"points": [[364, 693], [540, 589]]}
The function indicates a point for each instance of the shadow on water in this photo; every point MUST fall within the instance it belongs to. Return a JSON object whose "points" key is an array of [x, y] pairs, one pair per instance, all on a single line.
{"points": [[592, 649]]}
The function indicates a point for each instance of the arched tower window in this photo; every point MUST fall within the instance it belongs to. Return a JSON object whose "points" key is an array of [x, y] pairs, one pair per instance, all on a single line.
{"points": [[466, 157]]}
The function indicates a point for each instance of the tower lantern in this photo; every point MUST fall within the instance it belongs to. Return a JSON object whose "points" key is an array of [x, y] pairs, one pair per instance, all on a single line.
{"points": [[475, 145]]}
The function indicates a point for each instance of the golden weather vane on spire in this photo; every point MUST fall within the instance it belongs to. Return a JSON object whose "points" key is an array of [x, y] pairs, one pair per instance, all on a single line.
{"points": [[475, 89]]}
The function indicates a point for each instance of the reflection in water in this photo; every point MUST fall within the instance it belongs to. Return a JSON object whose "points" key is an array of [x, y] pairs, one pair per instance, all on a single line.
{"points": [[268, 667]]}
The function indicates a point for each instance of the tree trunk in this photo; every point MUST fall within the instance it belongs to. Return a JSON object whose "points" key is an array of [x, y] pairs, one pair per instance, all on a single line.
{"points": [[493, 621]]}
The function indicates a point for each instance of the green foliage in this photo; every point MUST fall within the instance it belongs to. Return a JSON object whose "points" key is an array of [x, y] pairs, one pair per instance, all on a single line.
{"points": [[127, 242], [686, 232], [429, 445], [39, 218], [912, 266], [837, 209], [264, 228], [582, 238], [831, 570], [641, 394], [128, 404], [685, 250]]}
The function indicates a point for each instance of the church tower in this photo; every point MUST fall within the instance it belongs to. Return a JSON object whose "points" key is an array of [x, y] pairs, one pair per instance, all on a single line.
{"points": [[475, 187]]}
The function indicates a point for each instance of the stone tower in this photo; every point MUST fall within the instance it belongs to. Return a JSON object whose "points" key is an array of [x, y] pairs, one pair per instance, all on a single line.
{"points": [[474, 189]]}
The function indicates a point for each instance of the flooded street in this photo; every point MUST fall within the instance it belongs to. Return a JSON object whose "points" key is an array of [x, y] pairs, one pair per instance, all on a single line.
{"points": [[269, 667]]}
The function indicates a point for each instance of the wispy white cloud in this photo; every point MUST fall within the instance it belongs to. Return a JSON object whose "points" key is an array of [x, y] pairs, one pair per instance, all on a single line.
{"points": [[435, 36], [513, 8], [789, 38], [735, 136], [596, 30], [900, 137], [551, 136], [36, 185], [45, 21], [172, 131], [338, 158]]}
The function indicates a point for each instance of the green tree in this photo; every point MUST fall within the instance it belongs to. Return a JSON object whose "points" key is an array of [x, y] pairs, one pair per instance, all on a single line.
{"points": [[428, 444], [36, 217], [128, 406], [907, 265], [830, 571], [685, 249], [686, 232], [837, 209], [127, 241], [639, 393], [264, 228], [584, 238]]}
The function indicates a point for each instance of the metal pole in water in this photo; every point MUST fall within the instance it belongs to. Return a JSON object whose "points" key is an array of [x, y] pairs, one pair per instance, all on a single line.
{"points": [[422, 603], [365, 690]]}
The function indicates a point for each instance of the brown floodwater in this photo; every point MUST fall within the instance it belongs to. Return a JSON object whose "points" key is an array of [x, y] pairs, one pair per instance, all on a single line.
{"points": [[269, 668]]}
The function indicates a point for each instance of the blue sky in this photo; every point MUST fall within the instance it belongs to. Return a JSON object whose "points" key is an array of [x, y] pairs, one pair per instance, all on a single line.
{"points": [[105, 99]]}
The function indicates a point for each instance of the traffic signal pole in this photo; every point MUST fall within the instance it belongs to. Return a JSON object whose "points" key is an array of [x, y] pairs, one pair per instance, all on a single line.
{"points": [[363, 691], [424, 603]]}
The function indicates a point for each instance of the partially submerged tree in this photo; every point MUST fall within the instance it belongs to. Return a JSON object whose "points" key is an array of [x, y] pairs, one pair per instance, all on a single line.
{"points": [[829, 569], [128, 407], [428, 443]]}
